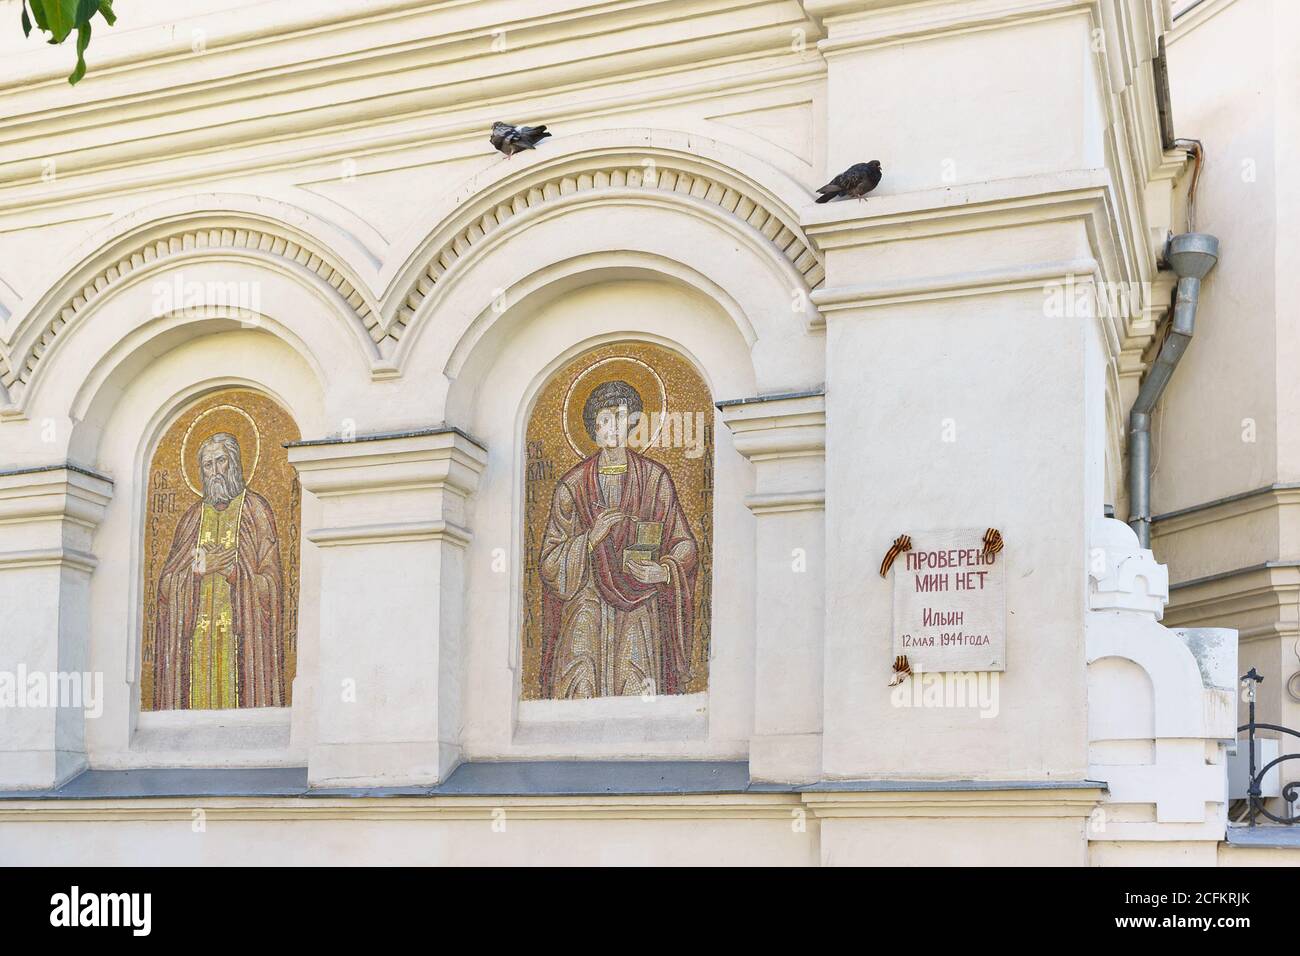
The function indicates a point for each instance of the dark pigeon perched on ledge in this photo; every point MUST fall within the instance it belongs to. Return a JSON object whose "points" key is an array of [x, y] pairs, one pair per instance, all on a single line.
{"points": [[511, 139], [856, 181]]}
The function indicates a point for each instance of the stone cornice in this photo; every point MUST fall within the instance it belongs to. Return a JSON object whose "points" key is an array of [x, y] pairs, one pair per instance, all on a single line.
{"points": [[48, 557], [1196, 17], [355, 32], [366, 66], [396, 808], [955, 285], [390, 489], [962, 798], [66, 466], [904, 22], [1265, 575], [386, 145], [1259, 601], [390, 532], [441, 459], [1278, 495], [785, 436], [1073, 801], [956, 209], [777, 428], [1082, 196], [383, 436], [786, 502], [54, 494], [1129, 33]]}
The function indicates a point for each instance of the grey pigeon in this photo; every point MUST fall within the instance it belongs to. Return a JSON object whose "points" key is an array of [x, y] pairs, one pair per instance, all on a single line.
{"points": [[856, 181], [511, 139]]}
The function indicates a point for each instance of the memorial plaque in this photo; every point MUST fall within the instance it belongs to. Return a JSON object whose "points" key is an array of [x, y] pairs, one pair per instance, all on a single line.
{"points": [[950, 603]]}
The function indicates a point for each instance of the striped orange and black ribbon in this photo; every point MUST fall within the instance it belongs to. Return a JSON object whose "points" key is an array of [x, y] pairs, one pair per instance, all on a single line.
{"points": [[992, 543], [902, 670], [901, 543]]}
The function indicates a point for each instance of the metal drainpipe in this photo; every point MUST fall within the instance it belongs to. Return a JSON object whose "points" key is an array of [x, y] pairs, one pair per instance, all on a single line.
{"points": [[1191, 255]]}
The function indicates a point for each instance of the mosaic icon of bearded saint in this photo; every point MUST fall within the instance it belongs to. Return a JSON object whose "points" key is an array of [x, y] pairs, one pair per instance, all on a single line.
{"points": [[618, 564], [220, 606]]}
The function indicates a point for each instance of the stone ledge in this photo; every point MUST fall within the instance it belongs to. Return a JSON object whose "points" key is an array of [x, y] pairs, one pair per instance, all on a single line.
{"points": [[1265, 837], [520, 778]]}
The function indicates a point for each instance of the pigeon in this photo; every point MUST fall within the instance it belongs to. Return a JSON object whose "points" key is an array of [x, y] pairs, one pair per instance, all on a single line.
{"points": [[856, 181], [511, 139]]}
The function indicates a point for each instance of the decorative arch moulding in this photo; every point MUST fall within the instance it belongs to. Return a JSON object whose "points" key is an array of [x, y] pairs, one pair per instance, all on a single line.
{"points": [[655, 171], [137, 257], [664, 171]]}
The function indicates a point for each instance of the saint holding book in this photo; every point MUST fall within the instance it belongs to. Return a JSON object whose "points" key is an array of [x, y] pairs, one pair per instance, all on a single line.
{"points": [[618, 566]]}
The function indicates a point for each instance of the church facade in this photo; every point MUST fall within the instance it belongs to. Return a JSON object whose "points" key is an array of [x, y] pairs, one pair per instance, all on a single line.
{"points": [[369, 494]]}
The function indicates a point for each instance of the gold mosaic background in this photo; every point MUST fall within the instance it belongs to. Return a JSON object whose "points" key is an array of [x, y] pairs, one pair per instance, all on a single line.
{"points": [[549, 454], [169, 498]]}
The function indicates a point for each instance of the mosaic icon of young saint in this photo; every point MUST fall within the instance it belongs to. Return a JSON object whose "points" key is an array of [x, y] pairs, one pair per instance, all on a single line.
{"points": [[618, 564], [220, 608]]}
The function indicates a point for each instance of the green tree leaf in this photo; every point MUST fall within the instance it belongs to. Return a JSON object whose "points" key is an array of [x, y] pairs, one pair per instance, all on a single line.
{"points": [[59, 18], [55, 17], [83, 41]]}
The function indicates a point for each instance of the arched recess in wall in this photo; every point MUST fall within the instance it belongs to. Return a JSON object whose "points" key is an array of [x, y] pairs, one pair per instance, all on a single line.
{"points": [[500, 368], [184, 241], [649, 195], [617, 527], [138, 393], [220, 553]]}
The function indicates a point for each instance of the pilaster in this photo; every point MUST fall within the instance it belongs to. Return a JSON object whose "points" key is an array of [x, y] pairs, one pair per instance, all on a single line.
{"points": [[392, 550], [784, 436], [48, 518]]}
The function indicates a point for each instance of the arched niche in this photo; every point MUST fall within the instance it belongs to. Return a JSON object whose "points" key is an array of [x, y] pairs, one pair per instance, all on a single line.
{"points": [[131, 410], [526, 347]]}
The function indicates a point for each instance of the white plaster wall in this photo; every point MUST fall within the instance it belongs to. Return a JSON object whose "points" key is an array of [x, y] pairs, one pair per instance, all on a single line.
{"points": [[963, 81], [478, 841], [960, 841], [1230, 91], [1016, 464]]}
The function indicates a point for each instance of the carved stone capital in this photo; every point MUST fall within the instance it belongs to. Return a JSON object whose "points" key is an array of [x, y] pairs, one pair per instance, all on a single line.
{"points": [[785, 437], [51, 513], [378, 488]]}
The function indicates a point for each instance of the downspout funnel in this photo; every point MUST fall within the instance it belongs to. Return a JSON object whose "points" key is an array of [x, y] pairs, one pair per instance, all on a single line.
{"points": [[1191, 256]]}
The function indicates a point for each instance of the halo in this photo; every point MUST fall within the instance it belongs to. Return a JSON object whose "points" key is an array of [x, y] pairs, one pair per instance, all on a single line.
{"points": [[237, 422], [640, 375]]}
